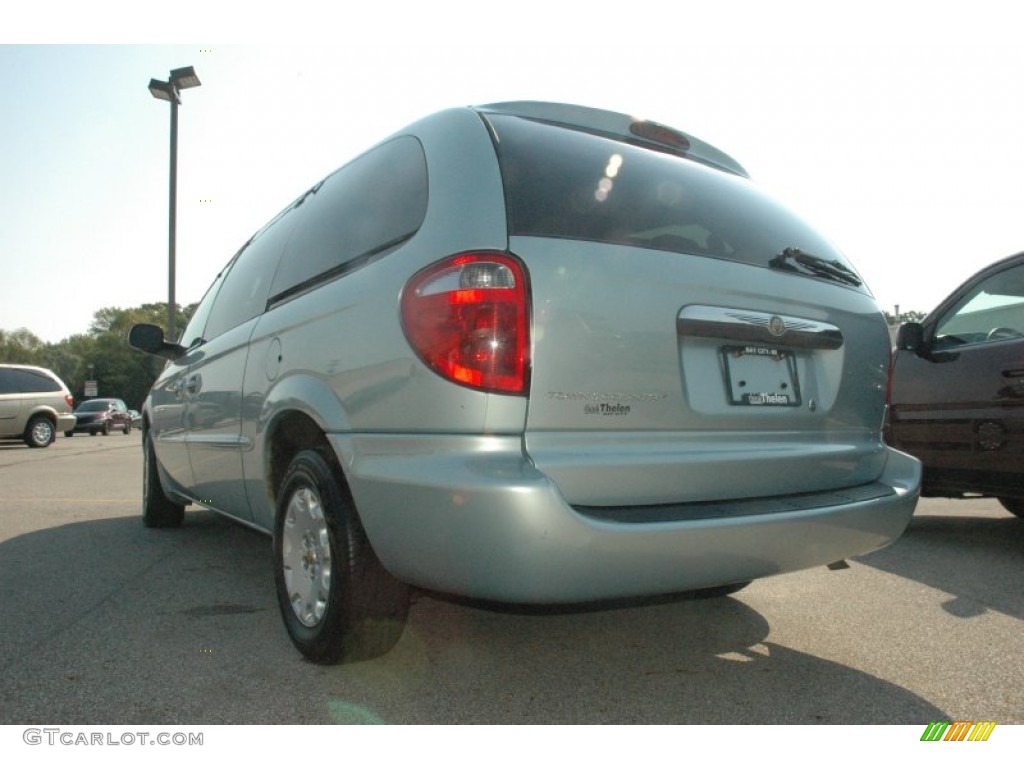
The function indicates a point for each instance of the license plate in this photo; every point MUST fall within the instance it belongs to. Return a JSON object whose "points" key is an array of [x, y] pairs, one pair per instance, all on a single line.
{"points": [[760, 376]]}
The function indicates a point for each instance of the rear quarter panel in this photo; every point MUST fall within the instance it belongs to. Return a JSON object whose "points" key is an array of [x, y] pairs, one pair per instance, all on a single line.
{"points": [[338, 353]]}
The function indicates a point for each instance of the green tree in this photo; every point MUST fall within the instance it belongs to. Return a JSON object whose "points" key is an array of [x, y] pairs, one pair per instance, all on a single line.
{"points": [[121, 371], [70, 359], [117, 320], [21, 346]]}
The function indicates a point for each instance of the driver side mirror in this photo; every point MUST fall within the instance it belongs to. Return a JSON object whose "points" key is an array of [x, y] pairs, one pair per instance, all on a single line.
{"points": [[910, 337], [150, 339]]}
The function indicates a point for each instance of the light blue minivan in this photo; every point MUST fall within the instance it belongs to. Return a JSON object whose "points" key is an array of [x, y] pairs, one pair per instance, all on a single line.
{"points": [[531, 353]]}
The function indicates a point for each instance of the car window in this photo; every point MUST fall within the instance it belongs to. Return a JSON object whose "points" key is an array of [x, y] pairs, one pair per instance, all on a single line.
{"points": [[193, 333], [34, 381], [7, 385], [991, 311], [566, 183], [366, 208], [93, 405], [246, 286]]}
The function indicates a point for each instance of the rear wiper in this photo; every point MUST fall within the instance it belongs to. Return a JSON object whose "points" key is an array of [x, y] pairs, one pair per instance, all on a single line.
{"points": [[792, 258]]}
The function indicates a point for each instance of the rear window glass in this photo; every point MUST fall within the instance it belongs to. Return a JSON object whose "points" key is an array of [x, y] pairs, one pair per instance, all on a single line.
{"points": [[566, 183], [94, 405]]}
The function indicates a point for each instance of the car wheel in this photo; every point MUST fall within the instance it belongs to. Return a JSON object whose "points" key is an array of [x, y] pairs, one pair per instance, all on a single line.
{"points": [[157, 510], [106, 429], [127, 427], [40, 432], [1016, 506], [69, 433], [337, 600]]}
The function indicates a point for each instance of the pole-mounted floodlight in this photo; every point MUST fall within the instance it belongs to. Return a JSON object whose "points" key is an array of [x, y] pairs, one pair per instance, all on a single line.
{"points": [[161, 90], [182, 78]]}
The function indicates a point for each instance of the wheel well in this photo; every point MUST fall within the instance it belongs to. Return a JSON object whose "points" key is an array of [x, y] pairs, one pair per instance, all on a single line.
{"points": [[44, 415], [294, 432]]}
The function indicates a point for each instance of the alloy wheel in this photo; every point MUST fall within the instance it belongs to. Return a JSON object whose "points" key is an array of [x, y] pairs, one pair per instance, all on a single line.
{"points": [[306, 556]]}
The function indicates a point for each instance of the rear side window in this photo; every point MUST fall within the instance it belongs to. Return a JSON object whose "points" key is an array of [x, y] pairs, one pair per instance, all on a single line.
{"points": [[561, 182], [33, 381], [365, 209]]}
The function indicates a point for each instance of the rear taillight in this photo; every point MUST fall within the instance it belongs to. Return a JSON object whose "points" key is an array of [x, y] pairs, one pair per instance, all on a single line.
{"points": [[467, 319], [71, 401]]}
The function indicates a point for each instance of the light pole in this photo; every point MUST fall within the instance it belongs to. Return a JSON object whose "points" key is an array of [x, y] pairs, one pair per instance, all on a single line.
{"points": [[182, 78]]}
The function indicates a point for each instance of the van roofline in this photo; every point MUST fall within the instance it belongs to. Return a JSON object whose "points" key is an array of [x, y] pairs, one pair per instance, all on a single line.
{"points": [[622, 126]]}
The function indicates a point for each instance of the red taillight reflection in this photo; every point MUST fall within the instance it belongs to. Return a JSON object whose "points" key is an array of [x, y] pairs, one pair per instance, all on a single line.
{"points": [[467, 318]]}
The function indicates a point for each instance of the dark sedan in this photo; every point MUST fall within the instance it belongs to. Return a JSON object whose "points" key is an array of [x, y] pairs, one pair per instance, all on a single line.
{"points": [[957, 389], [101, 416]]}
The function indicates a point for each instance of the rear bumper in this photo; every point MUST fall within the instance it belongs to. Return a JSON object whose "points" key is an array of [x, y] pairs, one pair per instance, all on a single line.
{"points": [[472, 516]]}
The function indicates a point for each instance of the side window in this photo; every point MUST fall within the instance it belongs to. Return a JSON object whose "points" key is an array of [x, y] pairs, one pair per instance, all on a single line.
{"points": [[193, 333], [992, 311], [369, 206], [247, 283], [30, 381], [7, 385]]}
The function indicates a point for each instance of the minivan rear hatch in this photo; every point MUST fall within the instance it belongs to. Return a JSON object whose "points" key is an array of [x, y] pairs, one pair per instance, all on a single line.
{"points": [[692, 340]]}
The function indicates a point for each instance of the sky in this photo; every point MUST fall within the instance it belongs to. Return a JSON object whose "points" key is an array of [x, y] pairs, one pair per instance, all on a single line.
{"points": [[895, 129]]}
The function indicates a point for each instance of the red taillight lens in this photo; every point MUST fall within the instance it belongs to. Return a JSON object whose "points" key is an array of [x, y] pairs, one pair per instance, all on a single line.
{"points": [[467, 318], [71, 401]]}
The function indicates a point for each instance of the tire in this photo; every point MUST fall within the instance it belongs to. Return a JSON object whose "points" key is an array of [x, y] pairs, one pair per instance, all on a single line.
{"points": [[69, 433], [157, 510], [39, 432], [1015, 506], [127, 427], [338, 602], [106, 429]]}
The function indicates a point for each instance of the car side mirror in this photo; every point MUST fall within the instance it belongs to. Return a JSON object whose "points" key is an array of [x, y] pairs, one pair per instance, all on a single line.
{"points": [[150, 339], [910, 337]]}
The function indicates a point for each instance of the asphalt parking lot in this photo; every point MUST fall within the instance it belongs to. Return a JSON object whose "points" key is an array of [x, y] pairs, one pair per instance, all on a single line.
{"points": [[105, 621]]}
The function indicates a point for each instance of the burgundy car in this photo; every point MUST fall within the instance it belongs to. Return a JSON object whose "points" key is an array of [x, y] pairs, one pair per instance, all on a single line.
{"points": [[100, 416], [957, 389]]}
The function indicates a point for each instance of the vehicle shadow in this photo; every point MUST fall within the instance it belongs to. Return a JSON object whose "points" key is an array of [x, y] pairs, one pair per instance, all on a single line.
{"points": [[977, 558], [670, 661], [109, 622]]}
